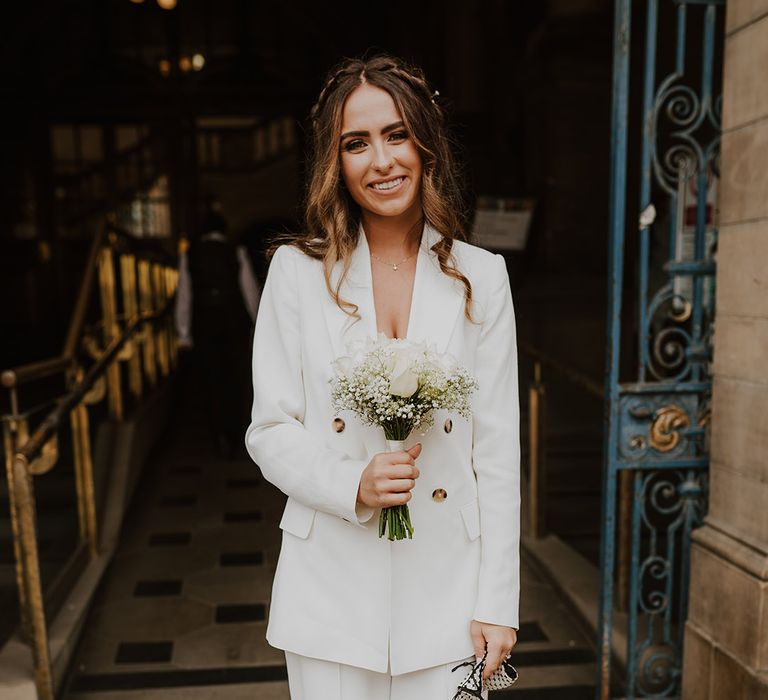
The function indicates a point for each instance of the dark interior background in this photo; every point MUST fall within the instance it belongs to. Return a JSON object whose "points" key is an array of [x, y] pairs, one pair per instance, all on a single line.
{"points": [[124, 109]]}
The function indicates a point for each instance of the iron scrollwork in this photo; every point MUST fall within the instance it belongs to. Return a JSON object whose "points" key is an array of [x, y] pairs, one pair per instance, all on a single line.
{"points": [[670, 504], [658, 420]]}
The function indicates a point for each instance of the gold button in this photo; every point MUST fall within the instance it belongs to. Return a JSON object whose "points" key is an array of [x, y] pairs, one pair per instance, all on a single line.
{"points": [[439, 495], [448, 425], [338, 424]]}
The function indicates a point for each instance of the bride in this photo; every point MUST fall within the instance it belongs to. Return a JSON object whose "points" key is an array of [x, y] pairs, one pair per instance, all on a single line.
{"points": [[384, 251]]}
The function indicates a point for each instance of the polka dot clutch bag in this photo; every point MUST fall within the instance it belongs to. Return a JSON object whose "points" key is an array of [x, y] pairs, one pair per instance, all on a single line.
{"points": [[471, 687]]}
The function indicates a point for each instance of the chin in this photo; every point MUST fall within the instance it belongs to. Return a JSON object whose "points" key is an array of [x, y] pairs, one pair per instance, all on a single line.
{"points": [[390, 209]]}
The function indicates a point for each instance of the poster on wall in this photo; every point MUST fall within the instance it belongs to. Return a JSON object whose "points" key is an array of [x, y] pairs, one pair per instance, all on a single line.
{"points": [[502, 223]]}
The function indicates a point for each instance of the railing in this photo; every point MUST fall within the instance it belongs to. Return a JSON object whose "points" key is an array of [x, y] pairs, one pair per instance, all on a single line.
{"points": [[139, 335]]}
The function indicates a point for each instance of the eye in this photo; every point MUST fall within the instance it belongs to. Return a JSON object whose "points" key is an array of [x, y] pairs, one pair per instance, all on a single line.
{"points": [[354, 145], [398, 136]]}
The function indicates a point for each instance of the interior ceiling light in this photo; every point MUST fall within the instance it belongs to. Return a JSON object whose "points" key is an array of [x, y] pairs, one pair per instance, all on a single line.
{"points": [[165, 67], [185, 64], [167, 4], [198, 61]]}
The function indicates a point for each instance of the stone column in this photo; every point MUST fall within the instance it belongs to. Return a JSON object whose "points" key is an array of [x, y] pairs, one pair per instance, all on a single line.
{"points": [[726, 641]]}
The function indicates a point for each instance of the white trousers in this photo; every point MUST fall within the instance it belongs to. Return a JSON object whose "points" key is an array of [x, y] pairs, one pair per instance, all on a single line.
{"points": [[317, 679]]}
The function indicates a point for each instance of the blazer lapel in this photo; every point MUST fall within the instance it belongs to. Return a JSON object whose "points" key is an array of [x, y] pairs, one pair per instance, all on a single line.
{"points": [[356, 288], [436, 301], [437, 298]]}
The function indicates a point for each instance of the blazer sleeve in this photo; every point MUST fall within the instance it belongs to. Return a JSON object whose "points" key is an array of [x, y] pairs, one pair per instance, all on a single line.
{"points": [[292, 458], [496, 457]]}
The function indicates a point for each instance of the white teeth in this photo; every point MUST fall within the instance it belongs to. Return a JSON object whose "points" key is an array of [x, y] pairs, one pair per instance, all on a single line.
{"points": [[388, 185]]}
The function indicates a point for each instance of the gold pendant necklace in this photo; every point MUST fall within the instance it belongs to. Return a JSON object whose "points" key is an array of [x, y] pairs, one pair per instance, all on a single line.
{"points": [[394, 265]]}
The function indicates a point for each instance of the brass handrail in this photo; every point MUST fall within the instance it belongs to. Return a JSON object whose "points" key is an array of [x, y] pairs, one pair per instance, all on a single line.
{"points": [[11, 378], [83, 298], [34, 445], [30, 459], [145, 304], [16, 376]]}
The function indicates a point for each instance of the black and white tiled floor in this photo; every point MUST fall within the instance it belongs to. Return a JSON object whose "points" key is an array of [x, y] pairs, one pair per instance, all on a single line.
{"points": [[182, 610]]}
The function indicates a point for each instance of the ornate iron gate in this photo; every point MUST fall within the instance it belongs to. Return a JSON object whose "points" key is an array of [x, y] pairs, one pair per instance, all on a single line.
{"points": [[656, 451]]}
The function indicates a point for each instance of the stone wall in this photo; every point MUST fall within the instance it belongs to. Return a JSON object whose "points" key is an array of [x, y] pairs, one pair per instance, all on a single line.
{"points": [[726, 642]]}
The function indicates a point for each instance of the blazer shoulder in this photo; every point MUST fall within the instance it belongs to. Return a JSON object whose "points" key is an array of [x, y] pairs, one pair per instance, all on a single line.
{"points": [[290, 255], [481, 266]]}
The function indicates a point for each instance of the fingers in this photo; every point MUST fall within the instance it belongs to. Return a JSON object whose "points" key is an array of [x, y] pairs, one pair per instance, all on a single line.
{"points": [[389, 478], [400, 485], [394, 492], [415, 450], [402, 457], [403, 471], [499, 640], [478, 640], [395, 499], [496, 654]]}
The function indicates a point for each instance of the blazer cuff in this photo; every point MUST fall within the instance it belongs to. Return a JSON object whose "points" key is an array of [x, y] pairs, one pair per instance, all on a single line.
{"points": [[509, 620], [364, 513], [357, 513]]}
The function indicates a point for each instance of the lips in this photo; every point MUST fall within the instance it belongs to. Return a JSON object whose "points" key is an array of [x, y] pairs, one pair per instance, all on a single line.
{"points": [[387, 185]]}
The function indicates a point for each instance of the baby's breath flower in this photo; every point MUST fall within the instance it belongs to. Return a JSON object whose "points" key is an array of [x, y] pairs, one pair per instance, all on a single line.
{"points": [[363, 384]]}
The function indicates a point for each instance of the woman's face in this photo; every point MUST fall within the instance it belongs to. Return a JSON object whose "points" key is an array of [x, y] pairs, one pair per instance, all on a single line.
{"points": [[379, 160]]}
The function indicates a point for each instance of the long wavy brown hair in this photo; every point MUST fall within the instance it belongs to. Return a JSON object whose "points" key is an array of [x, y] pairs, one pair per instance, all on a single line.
{"points": [[332, 217]]}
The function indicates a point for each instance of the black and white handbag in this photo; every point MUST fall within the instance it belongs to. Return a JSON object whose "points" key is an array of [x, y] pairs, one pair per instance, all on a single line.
{"points": [[471, 687]]}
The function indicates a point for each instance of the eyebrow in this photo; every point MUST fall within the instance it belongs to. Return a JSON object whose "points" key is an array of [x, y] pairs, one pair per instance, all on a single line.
{"points": [[385, 130]]}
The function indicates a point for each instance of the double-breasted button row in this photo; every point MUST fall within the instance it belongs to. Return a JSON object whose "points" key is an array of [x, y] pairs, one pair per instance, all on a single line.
{"points": [[438, 495], [339, 425]]}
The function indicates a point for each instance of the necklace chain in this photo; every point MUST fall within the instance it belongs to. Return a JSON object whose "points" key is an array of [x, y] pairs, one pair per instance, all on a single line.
{"points": [[394, 265]]}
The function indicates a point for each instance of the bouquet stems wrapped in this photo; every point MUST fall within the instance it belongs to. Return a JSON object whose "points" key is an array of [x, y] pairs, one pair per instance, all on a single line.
{"points": [[396, 519]]}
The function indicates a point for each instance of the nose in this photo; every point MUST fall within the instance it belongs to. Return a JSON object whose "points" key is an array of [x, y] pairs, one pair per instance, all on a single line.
{"points": [[382, 158]]}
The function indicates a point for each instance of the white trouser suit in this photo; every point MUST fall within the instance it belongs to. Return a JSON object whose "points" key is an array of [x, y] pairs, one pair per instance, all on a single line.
{"points": [[315, 679], [342, 595]]}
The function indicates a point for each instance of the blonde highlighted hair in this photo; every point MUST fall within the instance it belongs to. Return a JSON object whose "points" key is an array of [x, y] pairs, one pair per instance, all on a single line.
{"points": [[332, 217]]}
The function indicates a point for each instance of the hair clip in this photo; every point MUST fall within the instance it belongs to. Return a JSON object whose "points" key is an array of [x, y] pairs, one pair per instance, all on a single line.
{"points": [[434, 95]]}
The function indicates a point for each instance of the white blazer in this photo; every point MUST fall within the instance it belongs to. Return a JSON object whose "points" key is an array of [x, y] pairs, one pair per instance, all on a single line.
{"points": [[340, 592]]}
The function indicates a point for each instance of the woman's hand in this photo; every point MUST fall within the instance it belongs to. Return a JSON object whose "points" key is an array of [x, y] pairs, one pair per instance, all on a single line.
{"points": [[388, 478], [499, 640]]}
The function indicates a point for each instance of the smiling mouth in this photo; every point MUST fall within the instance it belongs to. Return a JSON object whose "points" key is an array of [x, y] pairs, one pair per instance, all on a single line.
{"points": [[388, 185]]}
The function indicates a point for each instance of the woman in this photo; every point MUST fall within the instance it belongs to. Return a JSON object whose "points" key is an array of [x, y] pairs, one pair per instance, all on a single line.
{"points": [[359, 616]]}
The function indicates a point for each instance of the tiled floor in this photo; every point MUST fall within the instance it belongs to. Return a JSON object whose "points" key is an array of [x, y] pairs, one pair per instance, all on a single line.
{"points": [[181, 612]]}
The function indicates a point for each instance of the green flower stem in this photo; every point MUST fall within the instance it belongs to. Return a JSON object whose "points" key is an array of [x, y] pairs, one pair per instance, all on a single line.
{"points": [[396, 522]]}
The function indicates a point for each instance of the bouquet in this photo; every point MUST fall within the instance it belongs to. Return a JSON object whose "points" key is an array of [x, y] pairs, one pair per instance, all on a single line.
{"points": [[396, 384]]}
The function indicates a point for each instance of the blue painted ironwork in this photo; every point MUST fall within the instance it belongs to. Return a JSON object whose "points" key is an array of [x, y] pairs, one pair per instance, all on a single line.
{"points": [[657, 424]]}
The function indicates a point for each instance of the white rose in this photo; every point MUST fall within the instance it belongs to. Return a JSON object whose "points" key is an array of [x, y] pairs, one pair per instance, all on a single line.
{"points": [[447, 361], [403, 381], [404, 384], [343, 365], [389, 364]]}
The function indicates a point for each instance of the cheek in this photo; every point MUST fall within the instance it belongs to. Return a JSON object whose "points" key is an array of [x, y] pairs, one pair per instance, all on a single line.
{"points": [[351, 171], [414, 159], [417, 173]]}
